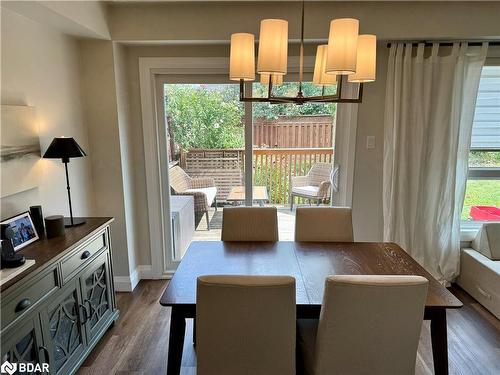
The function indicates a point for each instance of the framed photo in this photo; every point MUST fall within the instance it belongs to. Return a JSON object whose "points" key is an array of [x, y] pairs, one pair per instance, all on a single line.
{"points": [[24, 230]]}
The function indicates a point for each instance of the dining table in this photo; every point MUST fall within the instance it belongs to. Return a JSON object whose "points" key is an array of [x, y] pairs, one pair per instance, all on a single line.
{"points": [[309, 263]]}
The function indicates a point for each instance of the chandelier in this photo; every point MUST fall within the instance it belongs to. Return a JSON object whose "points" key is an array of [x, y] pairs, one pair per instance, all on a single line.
{"points": [[347, 57]]}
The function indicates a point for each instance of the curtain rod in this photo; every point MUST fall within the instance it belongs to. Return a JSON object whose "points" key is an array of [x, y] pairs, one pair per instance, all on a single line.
{"points": [[429, 43]]}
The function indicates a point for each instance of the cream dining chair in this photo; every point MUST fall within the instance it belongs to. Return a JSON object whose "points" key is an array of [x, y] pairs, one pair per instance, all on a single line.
{"points": [[369, 324], [245, 325], [323, 224], [250, 224]]}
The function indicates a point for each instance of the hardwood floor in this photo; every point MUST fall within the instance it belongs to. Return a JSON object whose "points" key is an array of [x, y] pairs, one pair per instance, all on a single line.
{"points": [[138, 343]]}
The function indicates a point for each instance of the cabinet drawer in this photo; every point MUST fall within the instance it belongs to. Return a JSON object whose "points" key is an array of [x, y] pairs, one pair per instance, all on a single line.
{"points": [[83, 255], [23, 302]]}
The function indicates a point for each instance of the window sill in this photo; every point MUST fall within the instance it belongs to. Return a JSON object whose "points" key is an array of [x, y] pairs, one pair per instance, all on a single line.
{"points": [[468, 230]]}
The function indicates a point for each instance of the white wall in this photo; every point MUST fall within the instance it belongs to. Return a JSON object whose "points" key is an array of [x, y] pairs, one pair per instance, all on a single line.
{"points": [[209, 21], [40, 68], [83, 18], [99, 87], [127, 143]]}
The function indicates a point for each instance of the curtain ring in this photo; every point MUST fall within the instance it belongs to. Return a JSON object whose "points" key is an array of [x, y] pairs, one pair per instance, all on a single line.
{"points": [[435, 49]]}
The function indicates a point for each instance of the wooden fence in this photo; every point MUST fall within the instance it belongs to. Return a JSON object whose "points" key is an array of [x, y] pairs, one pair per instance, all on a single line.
{"points": [[224, 166], [293, 131], [272, 167]]}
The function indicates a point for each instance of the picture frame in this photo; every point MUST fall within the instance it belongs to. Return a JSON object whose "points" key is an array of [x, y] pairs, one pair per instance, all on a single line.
{"points": [[24, 230]]}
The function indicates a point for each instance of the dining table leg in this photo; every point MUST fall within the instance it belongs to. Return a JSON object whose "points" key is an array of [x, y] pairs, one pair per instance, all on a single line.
{"points": [[439, 341], [176, 341]]}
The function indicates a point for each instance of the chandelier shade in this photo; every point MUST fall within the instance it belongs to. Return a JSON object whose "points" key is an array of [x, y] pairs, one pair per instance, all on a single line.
{"points": [[242, 57], [320, 77], [277, 79], [342, 46], [273, 47], [348, 57], [366, 59]]}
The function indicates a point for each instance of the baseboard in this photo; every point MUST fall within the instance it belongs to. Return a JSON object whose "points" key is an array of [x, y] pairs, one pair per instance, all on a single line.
{"points": [[123, 283], [128, 283], [145, 271]]}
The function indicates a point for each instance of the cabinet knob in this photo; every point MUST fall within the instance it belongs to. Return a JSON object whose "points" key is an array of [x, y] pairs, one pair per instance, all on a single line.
{"points": [[85, 254], [23, 305]]}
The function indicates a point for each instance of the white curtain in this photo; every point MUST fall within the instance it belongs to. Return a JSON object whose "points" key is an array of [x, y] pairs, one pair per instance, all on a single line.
{"points": [[430, 99]]}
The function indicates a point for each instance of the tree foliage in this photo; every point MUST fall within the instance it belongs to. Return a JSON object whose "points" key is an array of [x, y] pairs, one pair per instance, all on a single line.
{"points": [[211, 116], [290, 89], [201, 116]]}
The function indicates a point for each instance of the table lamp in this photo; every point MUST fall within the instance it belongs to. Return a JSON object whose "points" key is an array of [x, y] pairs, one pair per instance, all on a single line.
{"points": [[65, 148]]}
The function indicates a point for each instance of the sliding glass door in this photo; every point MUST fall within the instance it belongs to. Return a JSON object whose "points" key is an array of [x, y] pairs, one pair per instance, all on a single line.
{"points": [[204, 130], [221, 153], [291, 142]]}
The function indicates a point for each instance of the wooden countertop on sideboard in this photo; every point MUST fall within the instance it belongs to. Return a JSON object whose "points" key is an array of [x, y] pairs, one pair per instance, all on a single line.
{"points": [[45, 251]]}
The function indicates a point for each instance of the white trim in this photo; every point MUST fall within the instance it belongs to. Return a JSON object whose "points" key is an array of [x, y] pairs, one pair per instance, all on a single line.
{"points": [[467, 235], [128, 283], [145, 272]]}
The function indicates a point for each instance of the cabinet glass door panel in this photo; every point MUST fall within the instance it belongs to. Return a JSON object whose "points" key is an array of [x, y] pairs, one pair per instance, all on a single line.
{"points": [[65, 329], [96, 295], [24, 345]]}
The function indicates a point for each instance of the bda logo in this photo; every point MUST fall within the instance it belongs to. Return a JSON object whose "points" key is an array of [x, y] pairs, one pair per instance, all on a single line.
{"points": [[9, 368]]}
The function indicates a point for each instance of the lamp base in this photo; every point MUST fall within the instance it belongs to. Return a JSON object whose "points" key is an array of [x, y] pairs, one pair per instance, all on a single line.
{"points": [[76, 222]]}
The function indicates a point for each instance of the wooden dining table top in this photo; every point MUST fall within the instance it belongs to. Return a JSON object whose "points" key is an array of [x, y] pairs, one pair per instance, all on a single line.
{"points": [[308, 262]]}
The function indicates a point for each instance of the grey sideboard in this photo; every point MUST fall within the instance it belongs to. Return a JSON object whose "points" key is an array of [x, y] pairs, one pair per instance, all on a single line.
{"points": [[56, 311]]}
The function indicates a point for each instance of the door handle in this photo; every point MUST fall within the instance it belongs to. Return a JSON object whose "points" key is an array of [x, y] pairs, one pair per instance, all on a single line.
{"points": [[23, 305], [46, 353], [85, 254], [86, 313]]}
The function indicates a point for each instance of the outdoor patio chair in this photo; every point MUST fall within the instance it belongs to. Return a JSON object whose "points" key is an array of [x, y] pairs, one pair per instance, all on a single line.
{"points": [[202, 189], [315, 185]]}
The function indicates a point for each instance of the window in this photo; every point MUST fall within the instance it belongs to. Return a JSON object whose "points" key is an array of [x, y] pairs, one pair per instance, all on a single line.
{"points": [[482, 195]]}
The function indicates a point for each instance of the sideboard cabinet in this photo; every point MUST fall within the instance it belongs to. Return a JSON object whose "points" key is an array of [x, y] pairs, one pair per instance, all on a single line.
{"points": [[57, 310]]}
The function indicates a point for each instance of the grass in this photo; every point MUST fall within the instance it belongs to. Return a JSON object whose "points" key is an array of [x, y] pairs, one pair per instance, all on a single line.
{"points": [[481, 193]]}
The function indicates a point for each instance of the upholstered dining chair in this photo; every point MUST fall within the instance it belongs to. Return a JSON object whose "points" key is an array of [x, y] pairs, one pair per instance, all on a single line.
{"points": [[245, 325], [250, 224], [369, 324], [323, 224]]}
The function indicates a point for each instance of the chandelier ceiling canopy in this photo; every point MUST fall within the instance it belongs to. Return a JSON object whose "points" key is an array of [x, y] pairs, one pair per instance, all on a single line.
{"points": [[348, 56]]}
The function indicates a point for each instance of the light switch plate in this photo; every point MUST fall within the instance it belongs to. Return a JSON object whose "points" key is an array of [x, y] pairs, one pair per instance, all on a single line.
{"points": [[370, 142]]}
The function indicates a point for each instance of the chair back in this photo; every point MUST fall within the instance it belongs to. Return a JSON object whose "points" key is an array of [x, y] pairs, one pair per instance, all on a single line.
{"points": [[318, 173], [323, 224], [245, 325], [370, 324], [179, 180], [250, 224]]}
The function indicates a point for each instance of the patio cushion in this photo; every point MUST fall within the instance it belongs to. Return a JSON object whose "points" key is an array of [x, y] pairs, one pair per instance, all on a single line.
{"points": [[210, 193], [311, 191]]}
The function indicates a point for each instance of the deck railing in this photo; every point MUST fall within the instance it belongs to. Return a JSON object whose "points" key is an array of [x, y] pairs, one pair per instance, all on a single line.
{"points": [[273, 167]]}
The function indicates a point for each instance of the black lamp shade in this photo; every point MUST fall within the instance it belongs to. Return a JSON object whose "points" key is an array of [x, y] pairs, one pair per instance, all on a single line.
{"points": [[64, 148]]}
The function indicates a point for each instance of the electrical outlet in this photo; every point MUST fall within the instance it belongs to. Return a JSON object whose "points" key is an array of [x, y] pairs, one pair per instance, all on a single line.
{"points": [[370, 142]]}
